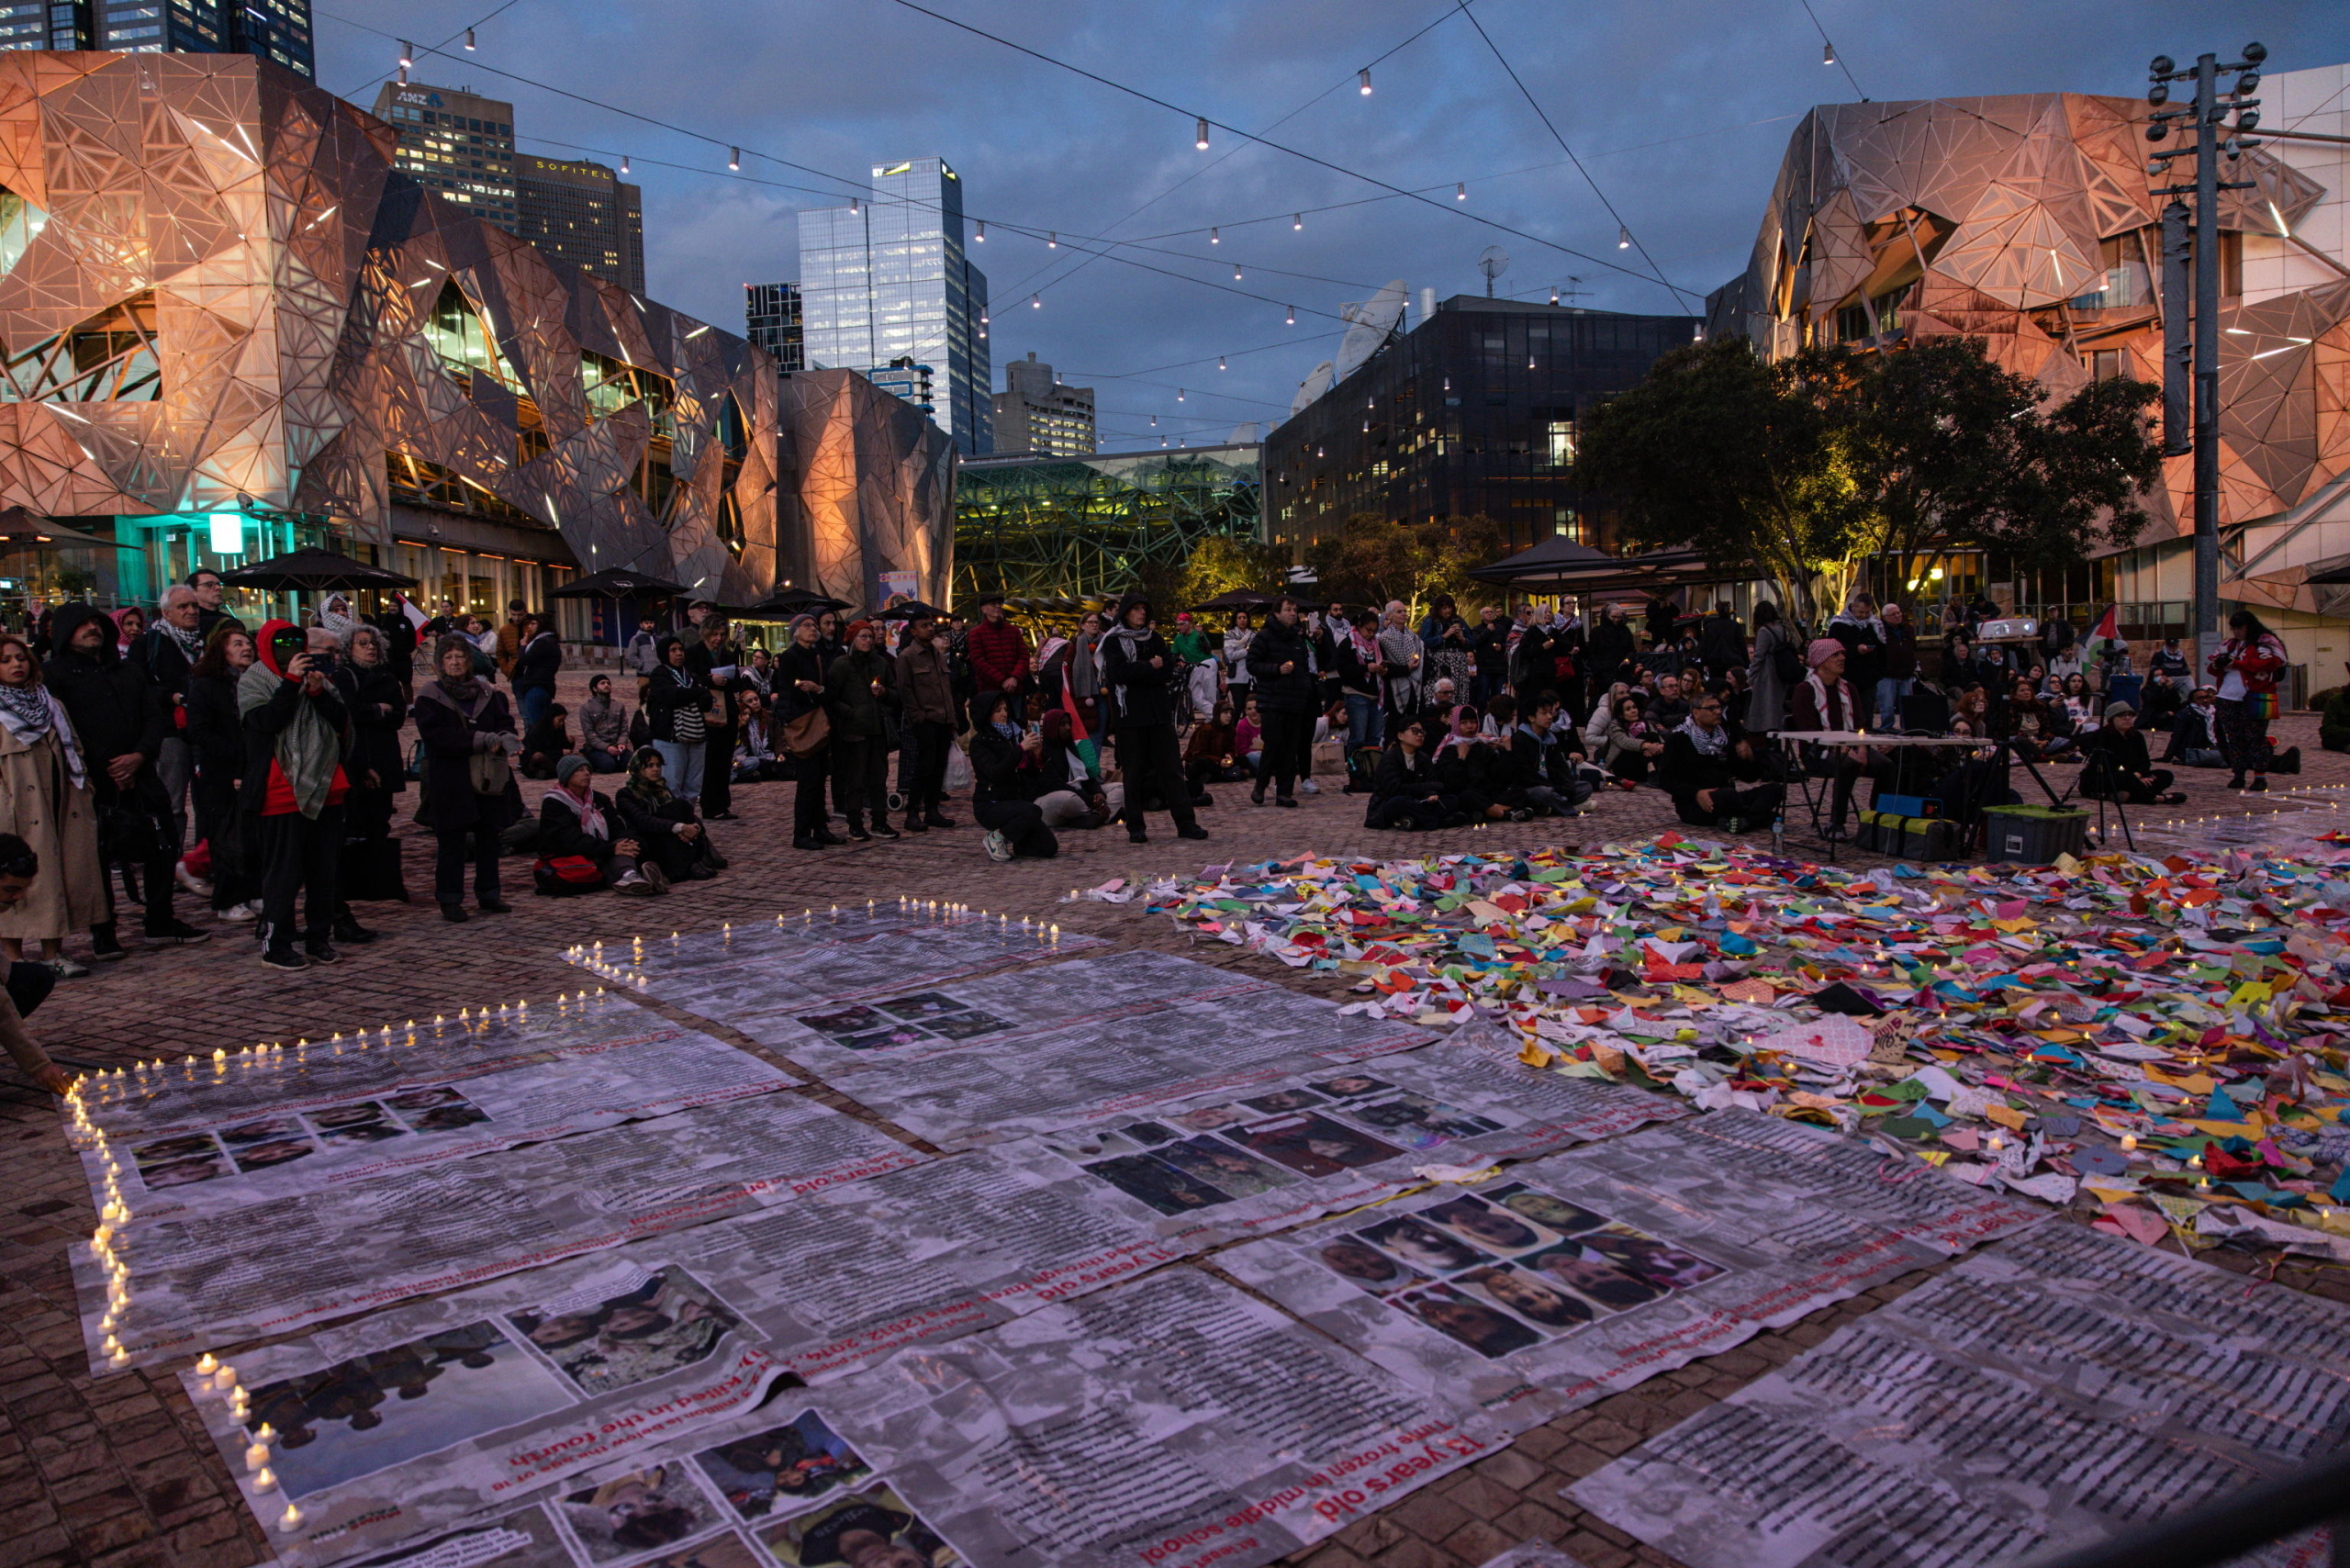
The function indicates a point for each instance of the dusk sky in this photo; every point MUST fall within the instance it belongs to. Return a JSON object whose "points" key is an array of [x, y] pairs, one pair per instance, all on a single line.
{"points": [[1679, 110]]}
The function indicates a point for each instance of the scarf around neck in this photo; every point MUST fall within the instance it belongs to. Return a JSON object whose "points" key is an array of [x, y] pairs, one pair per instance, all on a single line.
{"points": [[1709, 742], [30, 713], [1843, 712], [190, 641], [591, 818]]}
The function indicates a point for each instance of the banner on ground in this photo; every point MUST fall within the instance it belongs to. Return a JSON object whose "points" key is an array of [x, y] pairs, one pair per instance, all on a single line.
{"points": [[2054, 1392], [268, 1268], [1171, 1425], [1569, 1278]]}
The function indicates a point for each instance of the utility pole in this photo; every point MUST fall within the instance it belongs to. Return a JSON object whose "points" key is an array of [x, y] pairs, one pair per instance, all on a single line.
{"points": [[2191, 367]]}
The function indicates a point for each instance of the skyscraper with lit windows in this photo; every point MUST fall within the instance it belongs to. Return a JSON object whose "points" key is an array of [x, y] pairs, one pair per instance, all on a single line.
{"points": [[276, 30], [886, 278]]}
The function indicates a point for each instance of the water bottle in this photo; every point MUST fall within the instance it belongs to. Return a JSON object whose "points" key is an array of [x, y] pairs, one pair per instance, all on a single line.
{"points": [[1779, 833]]}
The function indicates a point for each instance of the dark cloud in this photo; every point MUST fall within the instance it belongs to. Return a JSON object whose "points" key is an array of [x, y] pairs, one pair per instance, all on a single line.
{"points": [[1680, 109]]}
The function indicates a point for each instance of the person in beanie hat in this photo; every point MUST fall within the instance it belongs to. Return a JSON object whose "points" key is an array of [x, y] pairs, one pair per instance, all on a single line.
{"points": [[1138, 673], [2115, 765], [580, 848], [297, 731], [1822, 702]]}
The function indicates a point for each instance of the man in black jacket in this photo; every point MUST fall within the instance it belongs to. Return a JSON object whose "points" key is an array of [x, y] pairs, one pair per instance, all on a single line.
{"points": [[711, 656], [1280, 663], [1703, 767], [1721, 642], [1489, 648], [1136, 662], [120, 726], [166, 655], [1542, 776]]}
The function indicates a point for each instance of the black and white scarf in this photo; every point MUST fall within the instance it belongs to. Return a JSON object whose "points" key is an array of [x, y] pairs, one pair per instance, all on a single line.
{"points": [[30, 713], [1709, 742]]}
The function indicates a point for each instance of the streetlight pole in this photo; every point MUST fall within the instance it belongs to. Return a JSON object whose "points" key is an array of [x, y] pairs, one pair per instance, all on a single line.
{"points": [[2191, 366]]}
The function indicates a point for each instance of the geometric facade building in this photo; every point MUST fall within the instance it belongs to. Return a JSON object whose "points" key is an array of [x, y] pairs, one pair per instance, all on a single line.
{"points": [[869, 489], [2029, 221], [229, 321], [1081, 527]]}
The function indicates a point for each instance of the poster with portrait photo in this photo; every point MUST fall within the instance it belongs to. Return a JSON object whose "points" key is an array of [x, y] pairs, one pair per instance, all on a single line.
{"points": [[526, 1538], [1615, 1261], [638, 1511], [873, 1528], [630, 1327], [783, 1469], [727, 1549]]}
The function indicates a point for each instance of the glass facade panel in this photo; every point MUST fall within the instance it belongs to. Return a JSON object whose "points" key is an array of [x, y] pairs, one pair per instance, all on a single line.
{"points": [[1077, 527]]}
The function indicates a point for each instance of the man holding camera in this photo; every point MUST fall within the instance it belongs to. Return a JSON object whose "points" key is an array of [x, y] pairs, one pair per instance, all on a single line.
{"points": [[296, 730]]}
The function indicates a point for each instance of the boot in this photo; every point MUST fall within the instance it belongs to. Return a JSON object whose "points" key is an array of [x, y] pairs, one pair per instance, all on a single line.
{"points": [[933, 817], [857, 827], [914, 822], [882, 828]]}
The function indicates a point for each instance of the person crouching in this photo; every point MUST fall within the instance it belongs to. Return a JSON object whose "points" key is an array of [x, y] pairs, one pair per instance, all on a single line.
{"points": [[577, 853], [663, 822]]}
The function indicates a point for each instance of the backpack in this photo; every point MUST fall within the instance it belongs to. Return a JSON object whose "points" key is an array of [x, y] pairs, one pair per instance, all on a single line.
{"points": [[1785, 663]]}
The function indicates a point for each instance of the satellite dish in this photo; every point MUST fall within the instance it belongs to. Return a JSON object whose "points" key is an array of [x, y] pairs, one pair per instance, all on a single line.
{"points": [[1312, 388], [1372, 325], [1492, 261]]}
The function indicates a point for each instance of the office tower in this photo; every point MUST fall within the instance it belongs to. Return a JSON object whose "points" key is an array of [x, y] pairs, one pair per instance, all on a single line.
{"points": [[458, 146], [1036, 413], [582, 213], [276, 30], [885, 279], [771, 320], [901, 377]]}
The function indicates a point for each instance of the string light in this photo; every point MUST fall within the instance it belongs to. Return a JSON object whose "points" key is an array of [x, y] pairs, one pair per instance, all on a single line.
{"points": [[1035, 302], [1052, 239], [1293, 315], [1827, 54], [623, 163], [1366, 81], [1236, 272], [407, 55], [1219, 361], [734, 158], [984, 231], [1297, 220], [469, 44], [1200, 139], [1216, 235], [1623, 237]]}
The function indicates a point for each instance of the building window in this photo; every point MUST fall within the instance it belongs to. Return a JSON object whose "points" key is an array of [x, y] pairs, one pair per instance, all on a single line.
{"points": [[109, 358], [2123, 282], [465, 344]]}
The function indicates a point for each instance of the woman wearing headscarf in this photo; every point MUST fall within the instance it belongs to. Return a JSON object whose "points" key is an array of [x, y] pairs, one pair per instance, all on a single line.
{"points": [[1008, 772], [45, 801], [678, 705], [129, 625], [1137, 670], [1823, 701], [664, 825], [469, 787], [336, 616], [860, 695], [371, 690], [582, 847], [800, 672]]}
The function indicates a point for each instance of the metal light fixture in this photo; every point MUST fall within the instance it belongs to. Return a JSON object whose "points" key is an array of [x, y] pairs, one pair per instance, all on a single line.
{"points": [[1293, 315], [407, 55], [1200, 139], [1554, 297], [1623, 237], [1052, 239], [1179, 394], [1216, 235], [1219, 361], [623, 163], [1297, 220], [984, 231], [1035, 302], [734, 157], [1366, 81], [469, 38], [1236, 273], [1460, 191], [1827, 54]]}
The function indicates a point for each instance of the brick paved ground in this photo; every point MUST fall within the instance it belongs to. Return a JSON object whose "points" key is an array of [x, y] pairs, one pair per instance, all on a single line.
{"points": [[119, 1473]]}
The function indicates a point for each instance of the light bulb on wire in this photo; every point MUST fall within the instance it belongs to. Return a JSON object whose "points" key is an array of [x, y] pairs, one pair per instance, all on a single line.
{"points": [[1052, 239], [1460, 191], [1199, 141], [984, 231], [1297, 220], [469, 44], [1827, 54], [1623, 237], [1366, 81], [1292, 314], [1035, 302], [734, 158]]}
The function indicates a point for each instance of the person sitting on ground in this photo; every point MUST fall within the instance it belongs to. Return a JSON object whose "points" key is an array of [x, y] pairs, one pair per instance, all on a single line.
{"points": [[603, 729], [1211, 754], [1403, 793], [664, 823], [1007, 773], [1501, 720], [2030, 729], [1629, 744], [1249, 737], [25, 985], [1603, 713], [2116, 766], [578, 851], [1542, 764], [2195, 732], [1070, 793], [1473, 769], [547, 743], [1435, 715], [1702, 767]]}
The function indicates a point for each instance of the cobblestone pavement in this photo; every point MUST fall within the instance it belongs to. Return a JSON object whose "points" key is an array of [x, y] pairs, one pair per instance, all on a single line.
{"points": [[119, 1471]]}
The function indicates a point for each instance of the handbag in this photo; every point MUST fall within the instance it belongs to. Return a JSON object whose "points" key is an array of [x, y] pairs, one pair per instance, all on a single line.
{"points": [[805, 735], [129, 834], [489, 771]]}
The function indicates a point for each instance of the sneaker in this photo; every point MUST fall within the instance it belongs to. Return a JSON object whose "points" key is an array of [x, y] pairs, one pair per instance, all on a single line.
{"points": [[176, 934], [237, 912], [105, 947], [454, 914], [1307, 787], [998, 846], [935, 819], [283, 958], [651, 872], [915, 823], [64, 967], [636, 886], [352, 933], [1284, 801], [1520, 814], [320, 953], [1192, 831], [1257, 796], [882, 828]]}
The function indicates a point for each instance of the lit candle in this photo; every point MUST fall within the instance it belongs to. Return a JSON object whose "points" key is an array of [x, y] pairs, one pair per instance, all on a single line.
{"points": [[290, 1520], [208, 1364], [264, 1480], [2129, 1142]]}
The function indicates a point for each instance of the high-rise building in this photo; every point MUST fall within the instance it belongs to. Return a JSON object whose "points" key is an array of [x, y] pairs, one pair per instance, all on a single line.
{"points": [[1035, 413], [277, 30], [457, 145], [886, 278], [771, 320], [582, 213]]}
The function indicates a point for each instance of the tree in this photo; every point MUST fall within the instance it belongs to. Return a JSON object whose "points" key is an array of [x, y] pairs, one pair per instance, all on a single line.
{"points": [[1807, 467], [1373, 560], [1219, 565]]}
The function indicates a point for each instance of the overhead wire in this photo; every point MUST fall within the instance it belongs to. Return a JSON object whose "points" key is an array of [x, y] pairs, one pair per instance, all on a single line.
{"points": [[461, 32], [1623, 228], [1835, 57]]}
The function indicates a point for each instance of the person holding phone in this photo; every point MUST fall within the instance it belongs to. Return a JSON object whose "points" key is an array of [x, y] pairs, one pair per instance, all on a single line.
{"points": [[297, 731]]}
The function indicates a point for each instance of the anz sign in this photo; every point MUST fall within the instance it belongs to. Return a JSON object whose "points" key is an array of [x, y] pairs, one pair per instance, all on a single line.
{"points": [[422, 100]]}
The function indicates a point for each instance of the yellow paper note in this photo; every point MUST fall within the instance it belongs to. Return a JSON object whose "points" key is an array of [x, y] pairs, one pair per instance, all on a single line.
{"points": [[2006, 1116], [1533, 1055]]}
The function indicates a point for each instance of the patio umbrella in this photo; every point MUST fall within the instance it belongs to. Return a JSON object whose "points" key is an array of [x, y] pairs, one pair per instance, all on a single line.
{"points": [[912, 609], [617, 582], [21, 530], [314, 571], [795, 601], [1230, 599]]}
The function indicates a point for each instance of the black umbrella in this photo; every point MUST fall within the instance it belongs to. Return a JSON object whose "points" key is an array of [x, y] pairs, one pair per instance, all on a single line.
{"points": [[617, 582], [314, 571], [912, 609], [795, 601]]}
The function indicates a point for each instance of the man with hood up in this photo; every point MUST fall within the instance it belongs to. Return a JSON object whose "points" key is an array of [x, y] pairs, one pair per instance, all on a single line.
{"points": [[296, 732], [120, 724]]}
